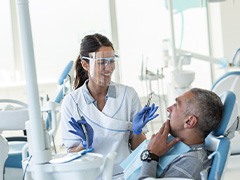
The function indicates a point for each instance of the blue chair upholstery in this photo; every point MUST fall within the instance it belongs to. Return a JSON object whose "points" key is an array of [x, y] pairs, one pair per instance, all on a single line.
{"points": [[65, 73], [218, 141], [230, 81], [61, 91]]}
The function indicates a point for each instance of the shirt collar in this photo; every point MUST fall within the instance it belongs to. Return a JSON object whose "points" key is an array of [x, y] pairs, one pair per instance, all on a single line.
{"points": [[88, 97], [196, 147]]}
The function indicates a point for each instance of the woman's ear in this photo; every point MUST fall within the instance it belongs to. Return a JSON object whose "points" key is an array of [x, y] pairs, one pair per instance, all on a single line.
{"points": [[190, 122], [85, 65]]}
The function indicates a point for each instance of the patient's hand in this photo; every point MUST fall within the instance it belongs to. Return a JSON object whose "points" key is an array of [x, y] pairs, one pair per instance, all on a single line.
{"points": [[158, 144]]}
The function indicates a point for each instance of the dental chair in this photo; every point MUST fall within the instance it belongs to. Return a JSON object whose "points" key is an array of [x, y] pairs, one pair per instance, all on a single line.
{"points": [[218, 142], [64, 83], [13, 116], [230, 81]]}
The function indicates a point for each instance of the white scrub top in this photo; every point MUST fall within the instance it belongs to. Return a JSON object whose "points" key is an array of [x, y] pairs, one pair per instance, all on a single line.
{"points": [[112, 126]]}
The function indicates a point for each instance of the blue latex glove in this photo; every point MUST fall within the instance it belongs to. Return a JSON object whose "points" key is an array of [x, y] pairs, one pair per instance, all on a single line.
{"points": [[143, 117], [77, 125]]}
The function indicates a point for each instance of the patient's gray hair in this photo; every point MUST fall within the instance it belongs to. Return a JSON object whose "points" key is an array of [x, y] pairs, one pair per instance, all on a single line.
{"points": [[207, 107]]}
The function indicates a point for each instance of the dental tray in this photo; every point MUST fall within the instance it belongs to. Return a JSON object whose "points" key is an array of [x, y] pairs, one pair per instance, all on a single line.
{"points": [[70, 156]]}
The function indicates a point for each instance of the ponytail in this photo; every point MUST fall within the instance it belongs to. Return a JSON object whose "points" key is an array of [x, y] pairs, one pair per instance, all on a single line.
{"points": [[81, 74]]}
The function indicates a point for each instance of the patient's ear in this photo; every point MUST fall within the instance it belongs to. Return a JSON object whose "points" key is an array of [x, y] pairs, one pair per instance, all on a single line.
{"points": [[85, 65], [190, 122]]}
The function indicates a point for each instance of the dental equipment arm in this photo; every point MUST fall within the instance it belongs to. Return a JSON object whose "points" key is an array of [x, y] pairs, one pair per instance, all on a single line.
{"points": [[83, 130], [234, 127], [143, 117]]}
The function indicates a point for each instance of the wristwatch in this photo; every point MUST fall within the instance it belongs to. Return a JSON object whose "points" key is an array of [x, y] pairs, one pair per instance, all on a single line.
{"points": [[148, 156]]}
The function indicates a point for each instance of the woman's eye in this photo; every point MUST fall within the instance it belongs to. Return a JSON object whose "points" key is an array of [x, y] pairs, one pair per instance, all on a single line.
{"points": [[105, 62]]}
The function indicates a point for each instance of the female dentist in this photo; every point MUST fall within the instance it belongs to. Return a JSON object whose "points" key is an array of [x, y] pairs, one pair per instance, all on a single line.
{"points": [[99, 113]]}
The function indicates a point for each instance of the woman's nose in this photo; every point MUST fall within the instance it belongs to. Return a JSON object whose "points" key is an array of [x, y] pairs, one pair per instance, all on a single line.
{"points": [[107, 64]]}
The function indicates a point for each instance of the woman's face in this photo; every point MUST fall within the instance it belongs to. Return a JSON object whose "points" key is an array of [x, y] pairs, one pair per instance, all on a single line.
{"points": [[102, 65]]}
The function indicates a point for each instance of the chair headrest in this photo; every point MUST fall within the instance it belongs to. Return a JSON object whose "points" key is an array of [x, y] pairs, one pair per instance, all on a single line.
{"points": [[65, 73], [230, 113], [14, 119], [59, 94]]}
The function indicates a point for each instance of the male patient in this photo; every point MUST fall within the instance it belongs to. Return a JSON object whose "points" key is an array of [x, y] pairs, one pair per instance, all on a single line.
{"points": [[191, 118]]}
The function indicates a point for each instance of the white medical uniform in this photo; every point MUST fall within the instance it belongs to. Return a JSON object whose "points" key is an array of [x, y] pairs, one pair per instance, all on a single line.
{"points": [[112, 126]]}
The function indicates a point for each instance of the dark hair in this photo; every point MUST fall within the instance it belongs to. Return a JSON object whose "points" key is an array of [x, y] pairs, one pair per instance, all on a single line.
{"points": [[207, 107], [90, 43]]}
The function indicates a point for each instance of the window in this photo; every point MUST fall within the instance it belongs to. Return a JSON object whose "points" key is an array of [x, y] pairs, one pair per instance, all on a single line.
{"points": [[57, 29], [7, 68]]}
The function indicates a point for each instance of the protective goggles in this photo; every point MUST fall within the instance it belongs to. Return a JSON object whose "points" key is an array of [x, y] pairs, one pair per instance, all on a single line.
{"points": [[102, 60]]}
